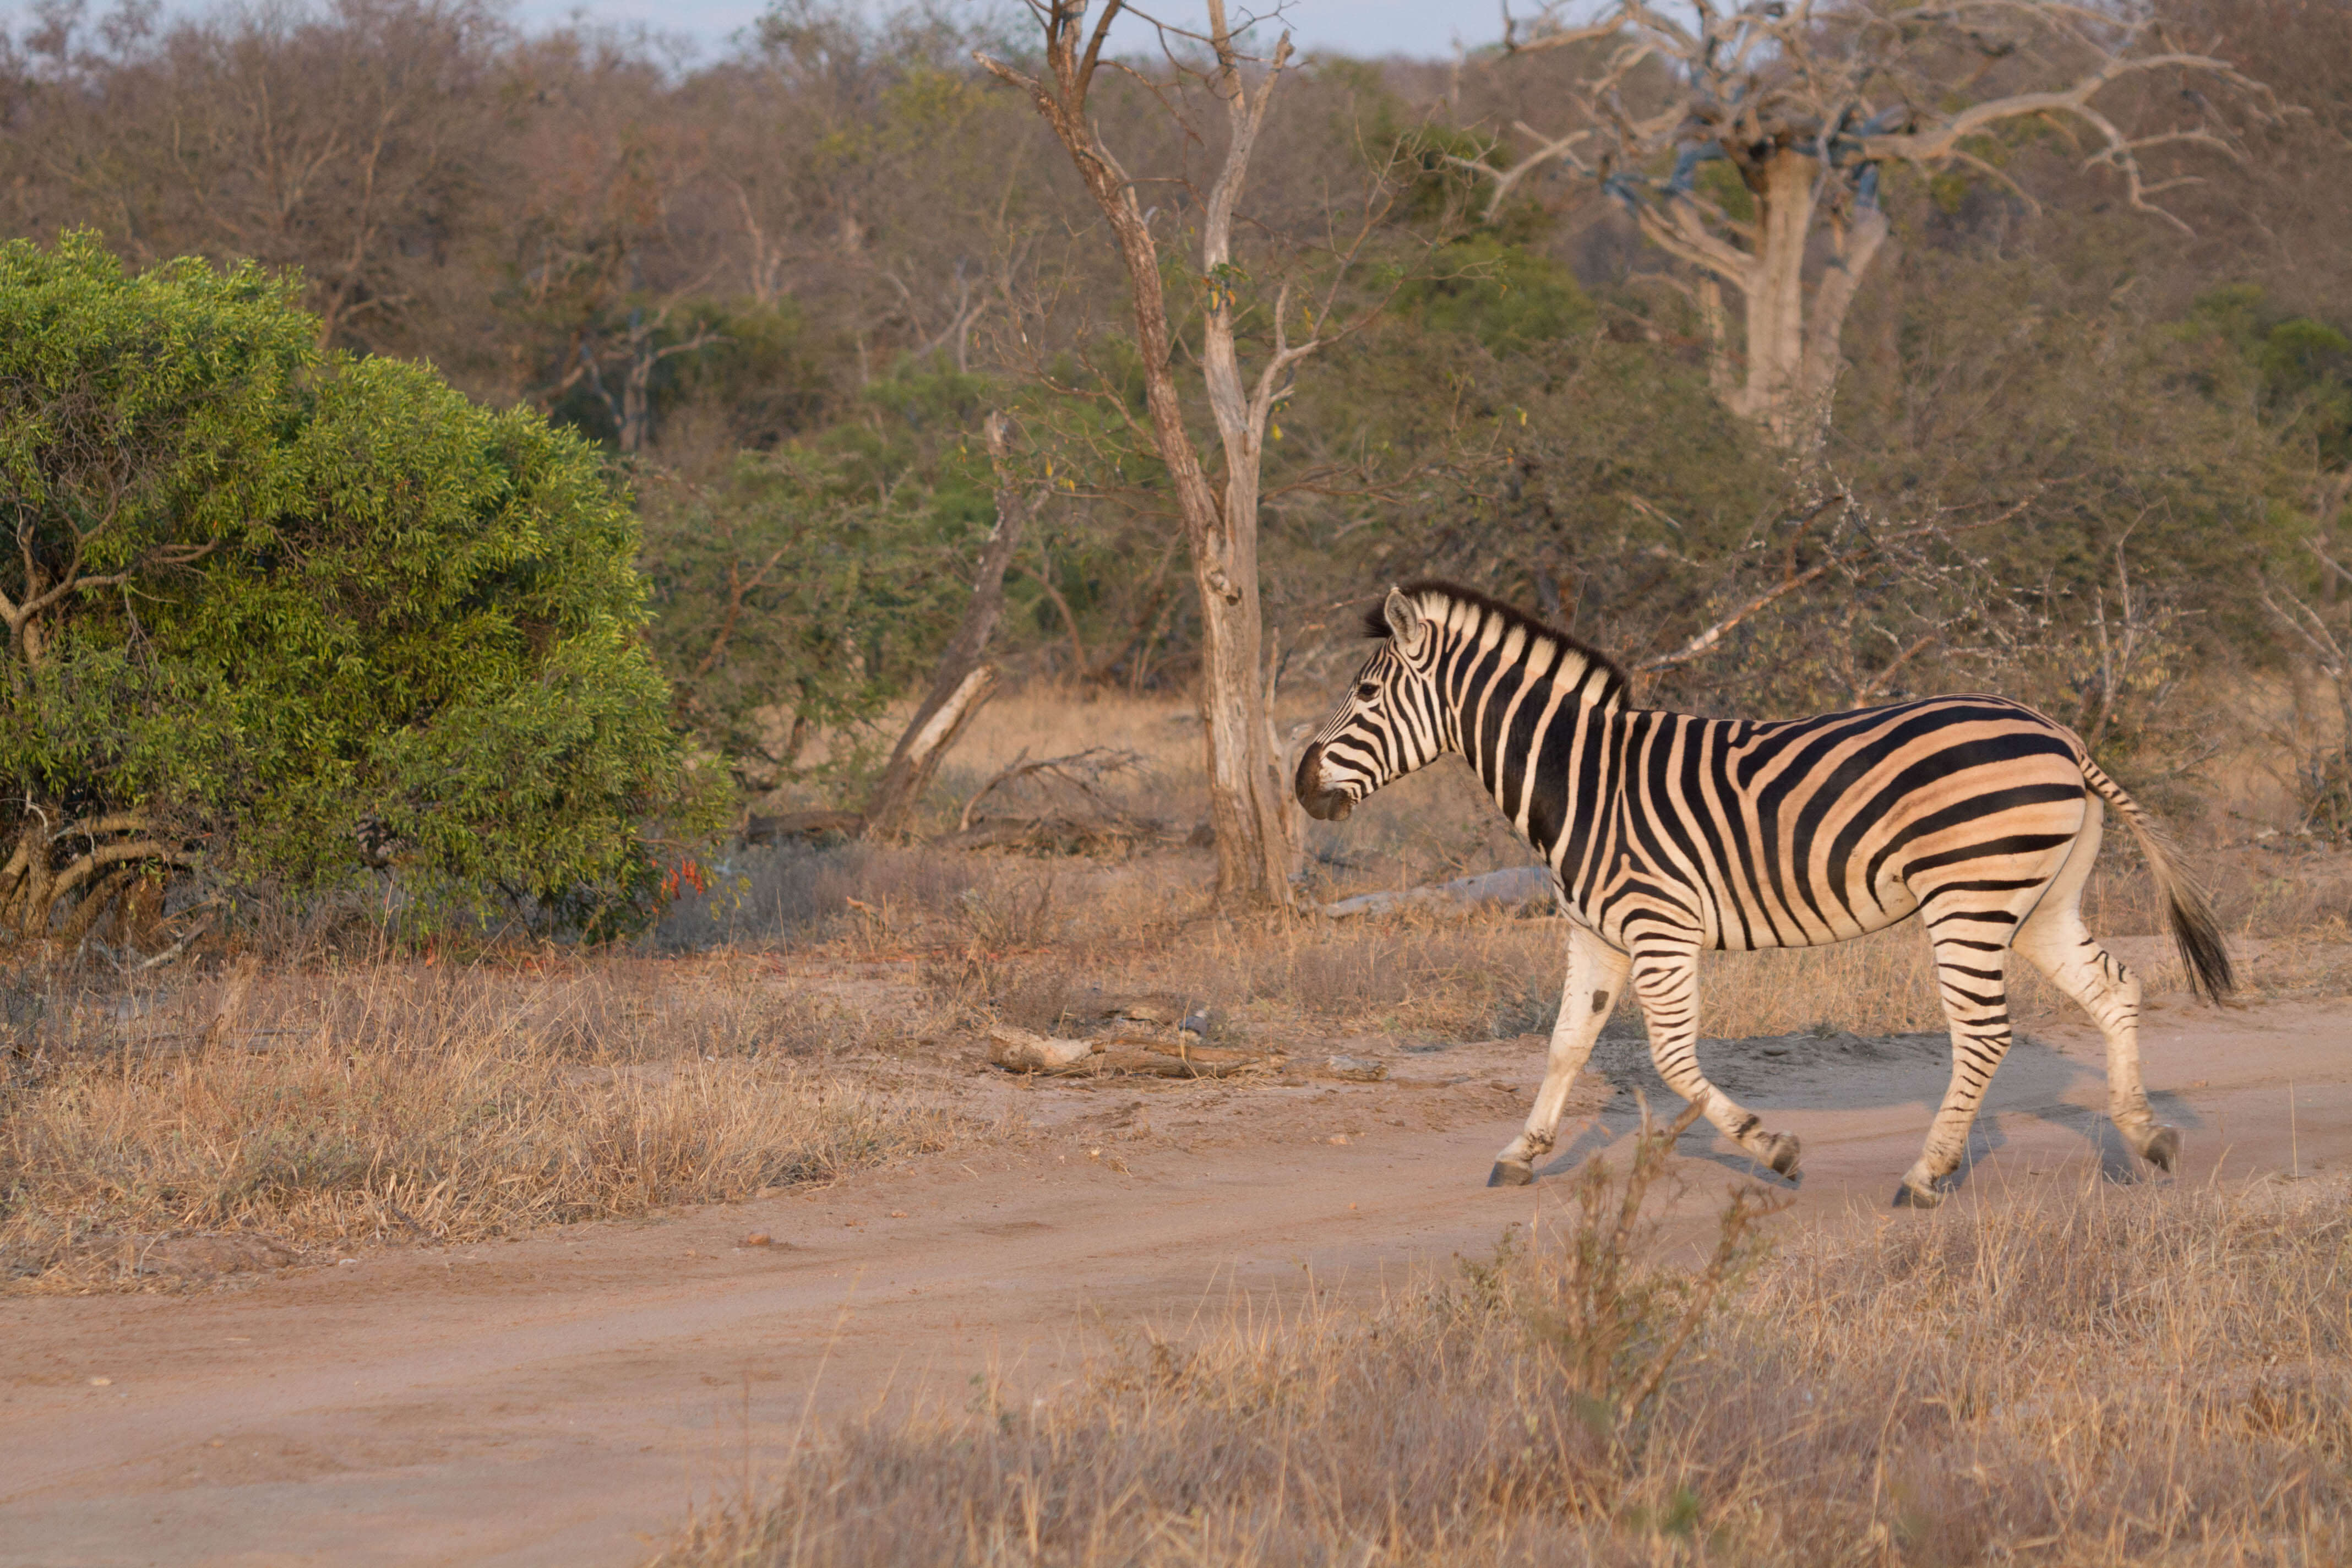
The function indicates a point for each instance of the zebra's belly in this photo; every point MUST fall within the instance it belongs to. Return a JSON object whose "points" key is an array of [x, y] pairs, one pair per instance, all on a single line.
{"points": [[1735, 930], [1707, 919]]}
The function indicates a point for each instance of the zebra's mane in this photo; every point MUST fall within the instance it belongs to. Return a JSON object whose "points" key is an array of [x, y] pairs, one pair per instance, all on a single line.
{"points": [[1615, 683]]}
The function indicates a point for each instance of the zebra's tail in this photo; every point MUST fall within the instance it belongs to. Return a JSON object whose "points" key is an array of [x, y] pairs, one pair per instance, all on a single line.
{"points": [[2194, 931]]}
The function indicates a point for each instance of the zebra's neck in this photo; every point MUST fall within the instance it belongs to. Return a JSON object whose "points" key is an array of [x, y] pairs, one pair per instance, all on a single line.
{"points": [[1513, 690]]}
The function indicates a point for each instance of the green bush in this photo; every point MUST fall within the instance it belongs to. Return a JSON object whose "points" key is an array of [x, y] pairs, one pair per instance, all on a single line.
{"points": [[799, 592], [275, 613]]}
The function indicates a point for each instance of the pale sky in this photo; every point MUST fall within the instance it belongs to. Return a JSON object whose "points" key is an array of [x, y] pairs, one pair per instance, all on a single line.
{"points": [[1427, 29]]}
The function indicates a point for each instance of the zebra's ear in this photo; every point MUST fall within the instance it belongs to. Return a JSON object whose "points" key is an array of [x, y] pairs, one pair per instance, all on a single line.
{"points": [[1404, 616]]}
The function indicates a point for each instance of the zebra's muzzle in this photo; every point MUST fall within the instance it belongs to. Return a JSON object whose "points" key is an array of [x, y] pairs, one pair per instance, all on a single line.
{"points": [[1322, 804]]}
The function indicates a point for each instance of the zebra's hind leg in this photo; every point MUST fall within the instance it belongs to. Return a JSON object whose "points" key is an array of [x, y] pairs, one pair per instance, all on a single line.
{"points": [[2057, 942], [1596, 975], [1972, 981], [1666, 982]]}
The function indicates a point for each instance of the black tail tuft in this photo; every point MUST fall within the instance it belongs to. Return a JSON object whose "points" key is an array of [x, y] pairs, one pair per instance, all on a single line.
{"points": [[2194, 931], [2201, 952]]}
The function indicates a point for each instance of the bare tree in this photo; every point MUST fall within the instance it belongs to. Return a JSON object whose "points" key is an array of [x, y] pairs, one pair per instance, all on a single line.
{"points": [[347, 139], [605, 250], [641, 353], [1248, 798], [1808, 101], [865, 164]]}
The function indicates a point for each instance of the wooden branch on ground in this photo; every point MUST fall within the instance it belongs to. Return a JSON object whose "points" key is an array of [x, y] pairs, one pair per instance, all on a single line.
{"points": [[1083, 771], [1060, 834], [804, 825], [186, 940], [1022, 1050]]}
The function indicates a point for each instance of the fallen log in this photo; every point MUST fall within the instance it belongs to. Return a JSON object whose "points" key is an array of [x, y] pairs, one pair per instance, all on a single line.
{"points": [[1518, 887], [938, 724], [1019, 1050], [803, 825], [1016, 1049], [962, 682], [1350, 1069]]}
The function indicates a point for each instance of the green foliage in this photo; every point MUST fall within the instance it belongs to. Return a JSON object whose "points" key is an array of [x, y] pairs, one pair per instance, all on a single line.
{"points": [[292, 594], [1718, 180], [762, 371], [802, 590], [2301, 368], [1502, 295]]}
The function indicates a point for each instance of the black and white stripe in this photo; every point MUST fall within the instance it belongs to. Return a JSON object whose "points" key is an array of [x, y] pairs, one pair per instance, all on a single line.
{"points": [[1668, 834]]}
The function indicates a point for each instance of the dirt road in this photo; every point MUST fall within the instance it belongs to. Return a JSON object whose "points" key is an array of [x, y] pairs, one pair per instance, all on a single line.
{"points": [[564, 1399]]}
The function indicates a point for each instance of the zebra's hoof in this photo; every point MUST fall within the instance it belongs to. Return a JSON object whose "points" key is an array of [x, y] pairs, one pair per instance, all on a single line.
{"points": [[1780, 1152], [1917, 1194], [2162, 1149], [1506, 1174]]}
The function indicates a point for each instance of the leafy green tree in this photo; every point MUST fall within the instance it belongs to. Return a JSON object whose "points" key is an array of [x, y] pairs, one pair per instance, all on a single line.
{"points": [[274, 613], [800, 591], [1505, 295]]}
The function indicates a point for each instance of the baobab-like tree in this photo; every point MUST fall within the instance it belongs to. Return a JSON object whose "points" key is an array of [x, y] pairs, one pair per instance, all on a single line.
{"points": [[1808, 101]]}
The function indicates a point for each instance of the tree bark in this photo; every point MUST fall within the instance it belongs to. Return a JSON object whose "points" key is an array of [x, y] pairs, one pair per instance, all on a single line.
{"points": [[1794, 344], [1776, 296], [1858, 239], [1255, 854], [962, 684], [34, 890]]}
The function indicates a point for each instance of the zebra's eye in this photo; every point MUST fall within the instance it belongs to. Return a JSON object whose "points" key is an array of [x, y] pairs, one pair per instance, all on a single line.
{"points": [[1368, 691]]}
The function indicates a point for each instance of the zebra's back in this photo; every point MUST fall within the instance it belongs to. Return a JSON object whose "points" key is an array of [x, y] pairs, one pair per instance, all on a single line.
{"points": [[1748, 833]]}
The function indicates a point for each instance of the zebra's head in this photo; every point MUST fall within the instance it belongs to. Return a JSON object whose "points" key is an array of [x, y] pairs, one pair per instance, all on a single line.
{"points": [[1389, 723]]}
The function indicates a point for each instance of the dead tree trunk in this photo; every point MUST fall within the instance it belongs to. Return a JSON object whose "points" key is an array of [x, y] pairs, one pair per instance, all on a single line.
{"points": [[962, 684], [1248, 799], [1794, 348]]}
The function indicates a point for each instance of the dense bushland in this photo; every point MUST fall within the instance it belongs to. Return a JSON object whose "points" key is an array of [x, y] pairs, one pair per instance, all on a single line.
{"points": [[2073, 452]]}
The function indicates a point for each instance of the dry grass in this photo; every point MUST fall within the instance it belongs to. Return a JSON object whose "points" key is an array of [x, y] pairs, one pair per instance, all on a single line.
{"points": [[398, 1101], [2158, 1374]]}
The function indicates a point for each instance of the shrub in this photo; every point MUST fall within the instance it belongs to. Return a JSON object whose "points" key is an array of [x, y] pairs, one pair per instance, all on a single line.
{"points": [[274, 613]]}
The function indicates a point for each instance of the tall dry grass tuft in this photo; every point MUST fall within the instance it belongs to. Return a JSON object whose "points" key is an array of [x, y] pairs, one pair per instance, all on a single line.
{"points": [[2160, 1375], [2106, 1375], [405, 1102]]}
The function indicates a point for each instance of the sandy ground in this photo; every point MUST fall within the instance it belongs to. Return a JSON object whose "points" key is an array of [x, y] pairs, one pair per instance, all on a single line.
{"points": [[568, 1398]]}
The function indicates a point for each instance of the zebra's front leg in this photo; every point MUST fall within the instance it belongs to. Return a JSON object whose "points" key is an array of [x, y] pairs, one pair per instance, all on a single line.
{"points": [[1666, 982], [1596, 974]]}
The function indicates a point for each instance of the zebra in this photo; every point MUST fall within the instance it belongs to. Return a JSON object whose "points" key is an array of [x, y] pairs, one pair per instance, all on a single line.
{"points": [[1667, 834]]}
